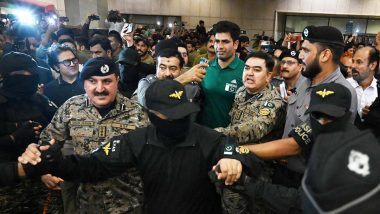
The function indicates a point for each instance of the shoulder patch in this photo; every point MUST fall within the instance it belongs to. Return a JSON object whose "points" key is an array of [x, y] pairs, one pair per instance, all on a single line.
{"points": [[242, 150], [268, 104], [264, 111], [228, 149]]}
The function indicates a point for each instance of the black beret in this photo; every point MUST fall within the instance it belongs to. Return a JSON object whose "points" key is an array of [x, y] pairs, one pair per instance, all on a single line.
{"points": [[129, 56], [99, 66], [323, 34], [289, 53], [17, 61]]}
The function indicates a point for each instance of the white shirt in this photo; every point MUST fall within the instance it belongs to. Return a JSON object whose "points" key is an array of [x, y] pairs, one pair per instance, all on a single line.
{"points": [[366, 96], [352, 82]]}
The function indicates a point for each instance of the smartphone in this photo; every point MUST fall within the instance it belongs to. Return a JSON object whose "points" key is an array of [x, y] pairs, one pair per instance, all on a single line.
{"points": [[203, 60], [265, 43]]}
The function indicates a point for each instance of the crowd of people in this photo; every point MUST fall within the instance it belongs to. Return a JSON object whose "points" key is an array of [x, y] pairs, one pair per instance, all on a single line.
{"points": [[181, 121]]}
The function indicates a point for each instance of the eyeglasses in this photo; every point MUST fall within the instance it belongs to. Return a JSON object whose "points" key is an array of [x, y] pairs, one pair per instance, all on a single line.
{"points": [[68, 62], [289, 62]]}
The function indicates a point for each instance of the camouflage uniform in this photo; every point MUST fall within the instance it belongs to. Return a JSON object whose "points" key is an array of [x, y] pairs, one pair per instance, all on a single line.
{"points": [[82, 129], [259, 119]]}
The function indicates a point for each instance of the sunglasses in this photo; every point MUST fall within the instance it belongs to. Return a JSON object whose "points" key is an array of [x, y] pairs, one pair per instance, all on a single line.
{"points": [[68, 62]]}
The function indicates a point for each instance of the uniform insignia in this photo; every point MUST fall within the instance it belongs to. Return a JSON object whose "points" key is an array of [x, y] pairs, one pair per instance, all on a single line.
{"points": [[293, 53], [358, 163], [107, 148], [242, 150], [104, 69], [324, 93], [228, 149], [264, 112], [268, 104], [176, 95], [306, 32]]}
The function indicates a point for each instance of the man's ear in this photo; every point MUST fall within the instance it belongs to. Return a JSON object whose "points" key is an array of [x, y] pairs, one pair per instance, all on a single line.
{"points": [[109, 53], [325, 55], [56, 68], [236, 44], [372, 66]]}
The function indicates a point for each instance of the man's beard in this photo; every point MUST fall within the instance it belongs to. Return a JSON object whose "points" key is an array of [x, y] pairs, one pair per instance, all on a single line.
{"points": [[312, 70], [142, 54], [360, 77]]}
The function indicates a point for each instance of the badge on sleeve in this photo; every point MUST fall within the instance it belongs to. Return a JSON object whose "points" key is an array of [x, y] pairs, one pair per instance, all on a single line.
{"points": [[268, 104], [264, 111], [228, 149], [359, 163], [242, 150]]}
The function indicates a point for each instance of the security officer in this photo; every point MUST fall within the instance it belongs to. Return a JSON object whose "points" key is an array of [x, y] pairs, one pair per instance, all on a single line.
{"points": [[23, 113], [82, 124], [131, 71], [291, 68], [347, 158], [329, 119], [173, 155], [320, 52], [257, 115]]}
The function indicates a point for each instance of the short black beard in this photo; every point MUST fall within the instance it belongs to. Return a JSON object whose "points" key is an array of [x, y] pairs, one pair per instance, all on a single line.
{"points": [[312, 70]]}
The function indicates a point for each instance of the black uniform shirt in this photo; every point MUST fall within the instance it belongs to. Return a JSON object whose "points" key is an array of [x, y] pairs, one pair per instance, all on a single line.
{"points": [[175, 179], [58, 91]]}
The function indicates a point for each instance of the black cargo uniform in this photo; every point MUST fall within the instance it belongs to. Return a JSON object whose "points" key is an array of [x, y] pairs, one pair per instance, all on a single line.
{"points": [[175, 177], [26, 196]]}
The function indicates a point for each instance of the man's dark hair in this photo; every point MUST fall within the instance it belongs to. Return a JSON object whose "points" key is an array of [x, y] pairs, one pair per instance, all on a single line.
{"points": [[373, 57], [269, 61], [65, 31], [116, 35], [227, 27], [82, 41], [55, 52], [66, 40], [201, 22], [169, 52], [190, 42], [337, 50], [100, 33], [243, 39], [102, 41]]}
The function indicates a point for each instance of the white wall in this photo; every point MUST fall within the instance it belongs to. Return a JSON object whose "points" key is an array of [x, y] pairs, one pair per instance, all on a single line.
{"points": [[252, 15], [59, 5]]}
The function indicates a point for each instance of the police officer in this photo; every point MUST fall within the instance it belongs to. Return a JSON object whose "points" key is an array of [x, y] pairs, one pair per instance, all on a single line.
{"points": [[291, 68], [82, 123], [329, 119], [347, 158], [173, 155], [131, 71], [23, 113], [257, 115], [320, 52]]}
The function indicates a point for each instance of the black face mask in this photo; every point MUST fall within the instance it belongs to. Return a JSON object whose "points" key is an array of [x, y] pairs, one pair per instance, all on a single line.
{"points": [[20, 86], [335, 125], [170, 131], [311, 71]]}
